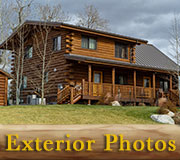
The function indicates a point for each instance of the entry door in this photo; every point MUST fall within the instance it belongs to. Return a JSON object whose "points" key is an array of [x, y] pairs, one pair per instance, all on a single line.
{"points": [[97, 83], [147, 86]]}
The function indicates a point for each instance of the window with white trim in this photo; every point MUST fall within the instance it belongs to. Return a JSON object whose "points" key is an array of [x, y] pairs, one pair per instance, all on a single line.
{"points": [[57, 43]]}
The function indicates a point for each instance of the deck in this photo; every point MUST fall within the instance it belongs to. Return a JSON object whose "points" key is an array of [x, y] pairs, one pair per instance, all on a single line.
{"points": [[93, 91], [124, 93]]}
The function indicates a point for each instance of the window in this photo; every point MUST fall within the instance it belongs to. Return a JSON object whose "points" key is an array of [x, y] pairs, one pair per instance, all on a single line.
{"points": [[147, 82], [24, 82], [121, 79], [97, 77], [164, 85], [121, 51], [88, 42], [28, 52], [46, 77], [57, 43]]}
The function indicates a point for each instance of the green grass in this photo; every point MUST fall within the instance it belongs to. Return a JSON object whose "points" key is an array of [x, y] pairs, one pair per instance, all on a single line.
{"points": [[76, 114]]}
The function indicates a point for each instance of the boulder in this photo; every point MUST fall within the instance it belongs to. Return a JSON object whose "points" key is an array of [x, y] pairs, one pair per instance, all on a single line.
{"points": [[171, 114], [177, 118], [115, 103], [162, 119]]}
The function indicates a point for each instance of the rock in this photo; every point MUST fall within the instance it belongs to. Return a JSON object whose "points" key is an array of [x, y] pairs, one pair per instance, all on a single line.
{"points": [[171, 114], [177, 118], [115, 103], [162, 119]]}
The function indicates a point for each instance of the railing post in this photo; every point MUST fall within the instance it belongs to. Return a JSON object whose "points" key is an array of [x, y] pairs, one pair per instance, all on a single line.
{"points": [[89, 81], [58, 97], [72, 95], [134, 87], [154, 85], [89, 78], [170, 83], [113, 81], [83, 86]]}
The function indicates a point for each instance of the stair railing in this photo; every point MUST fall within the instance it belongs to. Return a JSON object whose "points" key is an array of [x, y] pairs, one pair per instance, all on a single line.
{"points": [[63, 94]]}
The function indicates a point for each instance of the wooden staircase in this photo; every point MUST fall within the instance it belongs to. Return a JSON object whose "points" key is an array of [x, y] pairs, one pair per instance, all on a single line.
{"points": [[69, 95]]}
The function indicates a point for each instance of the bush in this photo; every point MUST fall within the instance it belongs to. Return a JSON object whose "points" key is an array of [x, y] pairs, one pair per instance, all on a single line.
{"points": [[166, 107], [105, 99], [177, 118]]}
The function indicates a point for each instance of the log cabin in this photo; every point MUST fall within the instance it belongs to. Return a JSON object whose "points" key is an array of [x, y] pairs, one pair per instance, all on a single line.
{"points": [[4, 76], [88, 63]]}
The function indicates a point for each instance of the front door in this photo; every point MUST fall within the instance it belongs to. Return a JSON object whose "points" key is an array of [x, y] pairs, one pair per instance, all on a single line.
{"points": [[97, 83], [147, 86]]}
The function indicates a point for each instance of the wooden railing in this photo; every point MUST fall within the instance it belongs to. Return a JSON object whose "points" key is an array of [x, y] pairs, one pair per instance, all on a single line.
{"points": [[76, 93], [63, 94], [129, 92], [125, 91], [69, 94], [142, 92]]}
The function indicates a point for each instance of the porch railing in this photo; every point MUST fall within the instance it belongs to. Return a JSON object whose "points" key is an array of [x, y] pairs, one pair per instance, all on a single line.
{"points": [[125, 91]]}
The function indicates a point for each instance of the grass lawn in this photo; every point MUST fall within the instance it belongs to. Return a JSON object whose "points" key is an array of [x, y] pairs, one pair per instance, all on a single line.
{"points": [[76, 114]]}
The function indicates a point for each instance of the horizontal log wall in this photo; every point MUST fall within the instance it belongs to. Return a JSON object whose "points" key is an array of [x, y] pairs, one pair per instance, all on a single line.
{"points": [[105, 48], [3, 90], [58, 68]]}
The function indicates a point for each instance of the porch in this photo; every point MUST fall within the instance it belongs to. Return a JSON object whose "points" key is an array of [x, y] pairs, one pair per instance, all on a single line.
{"points": [[93, 87], [124, 93]]}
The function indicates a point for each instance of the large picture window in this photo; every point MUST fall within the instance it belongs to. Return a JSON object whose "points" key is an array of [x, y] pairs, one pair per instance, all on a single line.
{"points": [[121, 51], [88, 42], [121, 79], [164, 85]]}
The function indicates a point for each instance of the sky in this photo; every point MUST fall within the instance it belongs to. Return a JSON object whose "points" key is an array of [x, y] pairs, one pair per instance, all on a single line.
{"points": [[145, 19]]}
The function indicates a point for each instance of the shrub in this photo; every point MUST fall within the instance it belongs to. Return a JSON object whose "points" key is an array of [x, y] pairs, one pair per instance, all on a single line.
{"points": [[166, 107], [105, 99], [177, 118]]}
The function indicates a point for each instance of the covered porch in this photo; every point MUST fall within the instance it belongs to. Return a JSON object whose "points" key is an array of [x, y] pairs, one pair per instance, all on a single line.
{"points": [[141, 86], [128, 84]]}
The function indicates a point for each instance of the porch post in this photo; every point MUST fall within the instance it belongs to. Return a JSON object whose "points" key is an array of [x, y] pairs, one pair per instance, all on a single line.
{"points": [[170, 82], [89, 80], [113, 81], [134, 87], [83, 87], [72, 94], [154, 85]]}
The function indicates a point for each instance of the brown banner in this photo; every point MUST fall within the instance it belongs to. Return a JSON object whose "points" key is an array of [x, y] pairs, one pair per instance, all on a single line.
{"points": [[89, 142]]}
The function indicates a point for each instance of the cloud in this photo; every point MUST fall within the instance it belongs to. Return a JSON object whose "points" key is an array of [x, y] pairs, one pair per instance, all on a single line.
{"points": [[145, 19]]}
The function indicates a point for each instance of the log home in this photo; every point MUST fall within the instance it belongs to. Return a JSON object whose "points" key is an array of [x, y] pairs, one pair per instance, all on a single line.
{"points": [[88, 63], [4, 76]]}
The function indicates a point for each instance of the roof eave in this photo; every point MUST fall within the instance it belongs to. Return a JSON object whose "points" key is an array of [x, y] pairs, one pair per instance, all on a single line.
{"points": [[77, 58], [6, 74], [73, 27]]}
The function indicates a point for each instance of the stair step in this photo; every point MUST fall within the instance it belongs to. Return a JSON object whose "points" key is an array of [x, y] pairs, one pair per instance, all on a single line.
{"points": [[77, 99]]}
